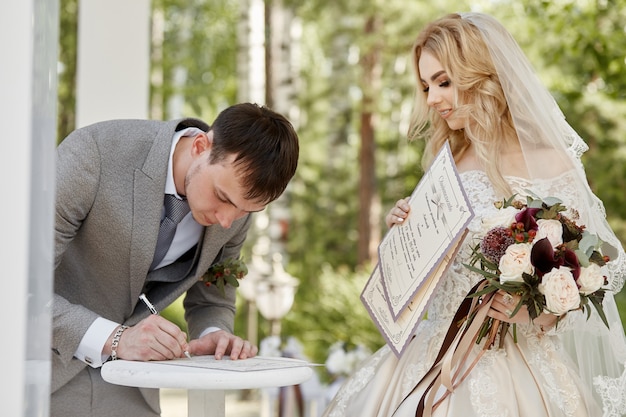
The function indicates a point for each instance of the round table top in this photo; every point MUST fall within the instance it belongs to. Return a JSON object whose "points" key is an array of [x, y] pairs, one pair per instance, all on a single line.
{"points": [[207, 373]]}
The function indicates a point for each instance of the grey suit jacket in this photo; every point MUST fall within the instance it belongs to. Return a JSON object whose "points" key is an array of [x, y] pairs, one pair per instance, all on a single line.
{"points": [[110, 186]]}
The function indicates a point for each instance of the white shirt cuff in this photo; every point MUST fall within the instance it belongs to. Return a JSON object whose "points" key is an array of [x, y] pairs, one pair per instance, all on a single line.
{"points": [[90, 347], [209, 330]]}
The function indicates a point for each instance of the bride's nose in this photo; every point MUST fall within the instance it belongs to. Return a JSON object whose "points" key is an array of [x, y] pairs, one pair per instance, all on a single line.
{"points": [[433, 98]]}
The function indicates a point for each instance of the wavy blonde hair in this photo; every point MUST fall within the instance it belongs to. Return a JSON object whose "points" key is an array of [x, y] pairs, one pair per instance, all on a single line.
{"points": [[479, 99]]}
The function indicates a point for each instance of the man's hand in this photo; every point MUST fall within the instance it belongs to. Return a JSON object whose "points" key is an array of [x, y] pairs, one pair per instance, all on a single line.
{"points": [[220, 343], [152, 339]]}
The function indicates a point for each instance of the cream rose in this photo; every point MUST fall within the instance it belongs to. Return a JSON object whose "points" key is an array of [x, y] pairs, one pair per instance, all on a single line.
{"points": [[515, 261], [560, 290], [552, 229], [590, 279], [501, 218]]}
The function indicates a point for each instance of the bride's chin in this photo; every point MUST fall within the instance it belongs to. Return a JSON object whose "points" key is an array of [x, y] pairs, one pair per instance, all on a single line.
{"points": [[455, 124]]}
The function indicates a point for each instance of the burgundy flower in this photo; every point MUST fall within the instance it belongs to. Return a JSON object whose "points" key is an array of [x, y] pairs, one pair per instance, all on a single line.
{"points": [[571, 260], [495, 242], [544, 258], [527, 217]]}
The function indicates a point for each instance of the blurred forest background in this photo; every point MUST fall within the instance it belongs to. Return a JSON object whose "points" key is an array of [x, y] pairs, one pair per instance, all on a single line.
{"points": [[339, 69]]}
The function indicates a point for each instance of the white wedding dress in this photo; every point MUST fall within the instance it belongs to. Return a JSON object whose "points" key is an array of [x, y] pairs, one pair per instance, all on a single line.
{"points": [[534, 377]]}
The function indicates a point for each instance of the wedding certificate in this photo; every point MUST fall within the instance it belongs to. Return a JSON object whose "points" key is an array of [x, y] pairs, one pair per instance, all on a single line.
{"points": [[257, 363], [414, 255], [398, 332]]}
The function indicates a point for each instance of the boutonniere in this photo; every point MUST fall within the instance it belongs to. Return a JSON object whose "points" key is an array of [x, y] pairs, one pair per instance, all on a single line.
{"points": [[229, 271]]}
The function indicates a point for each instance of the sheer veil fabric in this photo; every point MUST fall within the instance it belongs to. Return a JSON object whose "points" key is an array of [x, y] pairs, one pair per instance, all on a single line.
{"points": [[548, 142]]}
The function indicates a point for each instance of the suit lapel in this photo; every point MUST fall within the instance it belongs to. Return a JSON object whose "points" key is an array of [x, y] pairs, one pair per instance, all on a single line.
{"points": [[149, 186]]}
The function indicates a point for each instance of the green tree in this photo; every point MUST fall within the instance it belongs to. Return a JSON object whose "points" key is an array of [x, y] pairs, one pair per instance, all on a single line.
{"points": [[66, 102], [194, 55]]}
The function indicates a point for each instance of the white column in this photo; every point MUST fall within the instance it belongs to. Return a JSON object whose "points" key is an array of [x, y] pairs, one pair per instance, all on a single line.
{"points": [[251, 52], [28, 47], [113, 60]]}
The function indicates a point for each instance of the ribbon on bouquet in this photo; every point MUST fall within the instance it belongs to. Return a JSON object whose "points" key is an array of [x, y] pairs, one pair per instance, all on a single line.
{"points": [[457, 345]]}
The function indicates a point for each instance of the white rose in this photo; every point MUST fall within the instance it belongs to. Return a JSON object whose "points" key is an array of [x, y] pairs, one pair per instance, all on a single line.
{"points": [[515, 261], [590, 279], [501, 218], [552, 229], [560, 290]]}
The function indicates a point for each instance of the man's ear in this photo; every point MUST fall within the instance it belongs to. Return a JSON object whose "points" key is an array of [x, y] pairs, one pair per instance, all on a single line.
{"points": [[202, 142]]}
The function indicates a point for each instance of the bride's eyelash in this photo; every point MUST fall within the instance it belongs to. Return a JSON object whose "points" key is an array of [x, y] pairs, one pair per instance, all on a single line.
{"points": [[443, 84]]}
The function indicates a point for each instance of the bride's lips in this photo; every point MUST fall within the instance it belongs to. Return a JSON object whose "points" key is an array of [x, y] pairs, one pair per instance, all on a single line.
{"points": [[445, 113]]}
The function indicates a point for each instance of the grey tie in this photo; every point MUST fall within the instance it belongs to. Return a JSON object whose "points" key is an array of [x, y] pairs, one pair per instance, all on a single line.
{"points": [[175, 210]]}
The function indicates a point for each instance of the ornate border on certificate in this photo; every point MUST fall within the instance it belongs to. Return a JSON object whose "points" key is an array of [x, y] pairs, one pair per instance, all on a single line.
{"points": [[411, 253], [399, 331]]}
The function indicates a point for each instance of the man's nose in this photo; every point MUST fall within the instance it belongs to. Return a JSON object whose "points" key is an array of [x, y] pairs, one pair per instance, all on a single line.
{"points": [[227, 215]]}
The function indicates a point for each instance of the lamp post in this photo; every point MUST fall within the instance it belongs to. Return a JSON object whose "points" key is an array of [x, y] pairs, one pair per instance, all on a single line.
{"points": [[275, 294]]}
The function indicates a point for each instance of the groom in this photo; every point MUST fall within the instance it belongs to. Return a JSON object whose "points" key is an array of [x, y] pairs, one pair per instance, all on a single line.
{"points": [[112, 180]]}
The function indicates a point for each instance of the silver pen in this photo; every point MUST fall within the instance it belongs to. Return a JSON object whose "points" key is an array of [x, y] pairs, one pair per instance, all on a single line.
{"points": [[153, 310]]}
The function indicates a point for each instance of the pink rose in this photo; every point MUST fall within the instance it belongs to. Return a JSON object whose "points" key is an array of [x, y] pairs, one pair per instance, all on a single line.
{"points": [[590, 279], [552, 229], [560, 290], [515, 261]]}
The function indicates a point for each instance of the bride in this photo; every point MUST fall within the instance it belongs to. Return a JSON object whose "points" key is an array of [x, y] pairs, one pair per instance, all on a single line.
{"points": [[477, 90]]}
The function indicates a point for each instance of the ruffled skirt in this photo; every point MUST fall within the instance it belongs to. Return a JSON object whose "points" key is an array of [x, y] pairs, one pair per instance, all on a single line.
{"points": [[533, 377]]}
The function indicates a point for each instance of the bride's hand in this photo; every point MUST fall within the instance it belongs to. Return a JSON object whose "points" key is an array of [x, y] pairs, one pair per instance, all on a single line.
{"points": [[504, 305], [398, 213]]}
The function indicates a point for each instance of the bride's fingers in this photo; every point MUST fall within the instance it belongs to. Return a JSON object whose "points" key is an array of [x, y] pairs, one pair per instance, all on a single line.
{"points": [[394, 218], [398, 213]]}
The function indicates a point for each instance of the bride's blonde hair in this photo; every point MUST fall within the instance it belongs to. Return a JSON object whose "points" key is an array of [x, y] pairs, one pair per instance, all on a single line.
{"points": [[479, 99]]}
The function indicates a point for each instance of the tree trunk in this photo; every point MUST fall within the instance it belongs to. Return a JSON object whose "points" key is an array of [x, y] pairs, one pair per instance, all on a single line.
{"points": [[369, 201], [279, 95]]}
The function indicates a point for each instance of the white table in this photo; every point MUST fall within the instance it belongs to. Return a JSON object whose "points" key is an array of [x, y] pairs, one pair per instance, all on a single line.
{"points": [[207, 379]]}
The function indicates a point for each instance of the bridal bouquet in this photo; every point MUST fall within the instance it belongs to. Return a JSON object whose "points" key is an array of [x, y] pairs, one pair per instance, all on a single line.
{"points": [[534, 251]]}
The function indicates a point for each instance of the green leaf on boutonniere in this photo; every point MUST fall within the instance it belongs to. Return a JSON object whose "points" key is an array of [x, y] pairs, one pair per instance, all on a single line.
{"points": [[229, 271]]}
